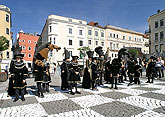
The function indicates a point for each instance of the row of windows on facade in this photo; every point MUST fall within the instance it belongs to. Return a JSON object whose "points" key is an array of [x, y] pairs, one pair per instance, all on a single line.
{"points": [[29, 55], [23, 48], [70, 31], [157, 23], [124, 37], [70, 20], [157, 36], [28, 41], [160, 49]]}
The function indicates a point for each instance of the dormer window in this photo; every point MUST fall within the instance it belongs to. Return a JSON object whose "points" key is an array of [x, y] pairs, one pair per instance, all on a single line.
{"points": [[70, 20]]}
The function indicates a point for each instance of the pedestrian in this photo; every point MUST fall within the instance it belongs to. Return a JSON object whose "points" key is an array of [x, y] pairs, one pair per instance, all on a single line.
{"points": [[46, 78], [54, 68], [18, 73], [137, 72], [162, 66], [130, 70], [158, 67]]}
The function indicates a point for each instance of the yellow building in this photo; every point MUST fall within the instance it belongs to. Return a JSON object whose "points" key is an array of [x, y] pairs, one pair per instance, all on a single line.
{"points": [[5, 25], [117, 38]]}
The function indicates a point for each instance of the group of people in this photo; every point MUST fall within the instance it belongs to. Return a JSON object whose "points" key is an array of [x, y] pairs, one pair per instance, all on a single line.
{"points": [[96, 69]]}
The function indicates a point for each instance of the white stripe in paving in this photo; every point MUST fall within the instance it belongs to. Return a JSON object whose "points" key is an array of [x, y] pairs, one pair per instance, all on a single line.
{"points": [[91, 100], [132, 91], [100, 90], [149, 114]]}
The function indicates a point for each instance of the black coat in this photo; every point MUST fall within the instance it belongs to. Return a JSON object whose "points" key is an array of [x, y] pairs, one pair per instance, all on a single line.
{"points": [[38, 72], [19, 73], [137, 69], [95, 71], [46, 77], [64, 75]]}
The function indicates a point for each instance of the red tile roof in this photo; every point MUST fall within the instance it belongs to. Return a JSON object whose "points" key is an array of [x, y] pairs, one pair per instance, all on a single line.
{"points": [[94, 24]]}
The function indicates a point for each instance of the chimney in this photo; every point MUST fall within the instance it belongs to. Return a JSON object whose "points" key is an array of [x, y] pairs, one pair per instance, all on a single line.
{"points": [[96, 23], [35, 33], [158, 11]]}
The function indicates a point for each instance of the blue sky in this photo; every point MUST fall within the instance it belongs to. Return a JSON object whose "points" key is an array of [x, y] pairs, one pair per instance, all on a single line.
{"points": [[30, 15]]}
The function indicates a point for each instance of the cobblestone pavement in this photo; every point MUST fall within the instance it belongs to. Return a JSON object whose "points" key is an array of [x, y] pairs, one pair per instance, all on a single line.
{"points": [[145, 100]]}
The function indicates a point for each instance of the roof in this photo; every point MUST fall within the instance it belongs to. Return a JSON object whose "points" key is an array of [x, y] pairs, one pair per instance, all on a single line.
{"points": [[156, 14], [145, 36], [95, 24]]}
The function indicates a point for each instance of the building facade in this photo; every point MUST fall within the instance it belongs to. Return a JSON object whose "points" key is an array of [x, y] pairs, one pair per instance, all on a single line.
{"points": [[5, 25], [95, 36], [117, 38], [64, 32], [27, 42], [156, 32]]}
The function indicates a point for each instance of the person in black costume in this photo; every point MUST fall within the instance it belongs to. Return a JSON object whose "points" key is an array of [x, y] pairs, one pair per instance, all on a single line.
{"points": [[150, 69], [137, 72], [130, 69], [65, 71], [19, 72], [38, 72], [87, 78], [107, 69], [46, 78], [74, 76], [116, 65], [95, 74]]}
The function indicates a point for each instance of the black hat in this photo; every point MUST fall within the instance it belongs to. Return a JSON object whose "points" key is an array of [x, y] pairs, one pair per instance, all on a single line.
{"points": [[67, 54], [95, 58], [90, 54], [17, 51], [152, 57], [99, 51], [74, 57]]}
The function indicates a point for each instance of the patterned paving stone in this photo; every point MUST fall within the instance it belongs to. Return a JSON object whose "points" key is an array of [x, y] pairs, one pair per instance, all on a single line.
{"points": [[114, 95], [10, 103], [91, 100], [163, 84], [30, 110], [132, 91], [147, 88], [154, 95], [60, 106], [143, 102], [160, 110], [117, 109], [52, 97], [149, 114], [155, 86], [160, 91], [100, 90], [78, 113], [83, 93]]}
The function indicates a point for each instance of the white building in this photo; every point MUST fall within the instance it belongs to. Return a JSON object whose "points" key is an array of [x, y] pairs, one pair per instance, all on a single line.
{"points": [[156, 32], [63, 32], [95, 36]]}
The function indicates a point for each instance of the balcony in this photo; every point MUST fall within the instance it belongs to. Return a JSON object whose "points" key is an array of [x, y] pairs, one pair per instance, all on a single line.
{"points": [[148, 32]]}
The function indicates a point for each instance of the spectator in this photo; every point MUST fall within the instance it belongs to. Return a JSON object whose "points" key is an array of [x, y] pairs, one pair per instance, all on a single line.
{"points": [[158, 67], [162, 66]]}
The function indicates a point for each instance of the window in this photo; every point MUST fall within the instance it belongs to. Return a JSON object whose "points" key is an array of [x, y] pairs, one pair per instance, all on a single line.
{"points": [[29, 48], [117, 45], [123, 46], [96, 42], [80, 32], [161, 48], [7, 54], [19, 40], [156, 37], [114, 46], [161, 35], [115, 55], [29, 41], [89, 32], [102, 34], [7, 18], [102, 43], [70, 53], [50, 40], [114, 35], [129, 38], [81, 43], [50, 28], [161, 22], [70, 42], [70, 30], [89, 42], [156, 48], [29, 55], [96, 33], [70, 20], [29, 65], [80, 22], [135, 39], [51, 54], [54, 40], [156, 24], [110, 45], [123, 37], [112, 55], [110, 34], [23, 47], [35, 42], [7, 31], [117, 36], [23, 40]]}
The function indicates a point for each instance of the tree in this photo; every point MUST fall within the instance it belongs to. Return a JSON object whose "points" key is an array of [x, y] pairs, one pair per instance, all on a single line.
{"points": [[4, 45], [133, 52], [83, 51]]}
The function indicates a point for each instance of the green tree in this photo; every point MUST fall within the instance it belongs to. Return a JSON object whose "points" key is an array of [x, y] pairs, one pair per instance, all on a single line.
{"points": [[4, 45], [133, 52], [83, 51]]}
